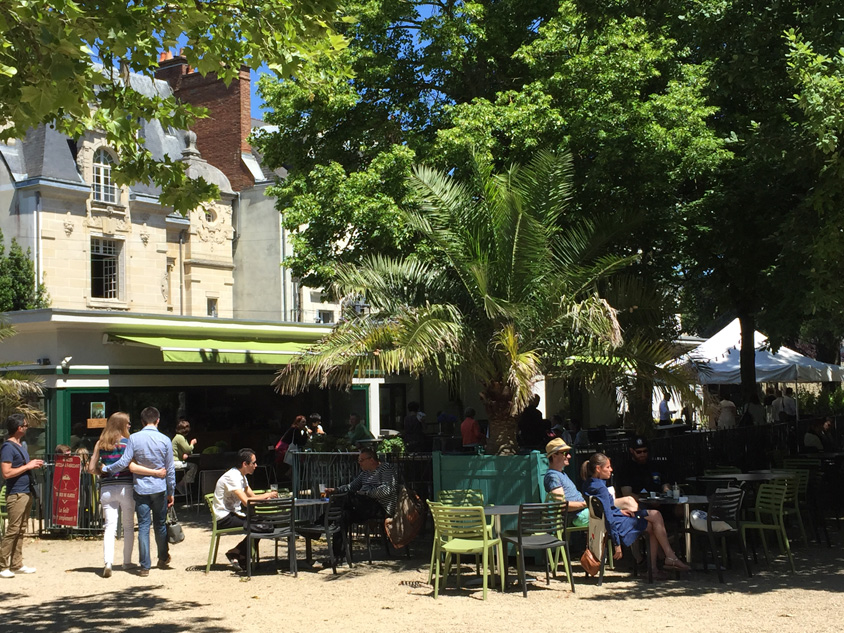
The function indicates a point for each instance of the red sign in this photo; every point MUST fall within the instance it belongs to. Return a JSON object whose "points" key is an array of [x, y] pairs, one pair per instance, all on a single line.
{"points": [[66, 478]]}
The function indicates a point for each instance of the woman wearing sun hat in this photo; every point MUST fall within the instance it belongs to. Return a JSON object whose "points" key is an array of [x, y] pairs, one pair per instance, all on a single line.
{"points": [[559, 486]]}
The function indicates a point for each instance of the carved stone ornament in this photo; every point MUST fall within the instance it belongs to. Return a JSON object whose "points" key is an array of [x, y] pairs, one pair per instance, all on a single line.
{"points": [[144, 234], [68, 224], [213, 224]]}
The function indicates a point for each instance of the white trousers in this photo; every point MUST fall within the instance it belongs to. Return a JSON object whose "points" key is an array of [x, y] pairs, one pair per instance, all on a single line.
{"points": [[116, 497]]}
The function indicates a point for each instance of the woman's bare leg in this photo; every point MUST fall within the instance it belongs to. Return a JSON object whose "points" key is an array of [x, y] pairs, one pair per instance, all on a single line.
{"points": [[627, 503], [656, 529]]}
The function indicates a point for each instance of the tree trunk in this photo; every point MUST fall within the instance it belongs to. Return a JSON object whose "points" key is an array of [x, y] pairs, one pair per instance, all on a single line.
{"points": [[747, 355], [640, 405], [828, 350], [498, 402]]}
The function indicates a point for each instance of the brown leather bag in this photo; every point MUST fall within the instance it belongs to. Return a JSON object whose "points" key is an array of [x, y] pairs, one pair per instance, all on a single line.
{"points": [[590, 564]]}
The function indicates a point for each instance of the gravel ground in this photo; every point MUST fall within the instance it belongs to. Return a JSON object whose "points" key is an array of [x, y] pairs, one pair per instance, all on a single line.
{"points": [[68, 594]]}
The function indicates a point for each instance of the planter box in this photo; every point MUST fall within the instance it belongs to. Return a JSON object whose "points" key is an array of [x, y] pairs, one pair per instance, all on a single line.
{"points": [[511, 479]]}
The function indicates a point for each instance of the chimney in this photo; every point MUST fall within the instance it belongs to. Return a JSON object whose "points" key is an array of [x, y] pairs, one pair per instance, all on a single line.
{"points": [[221, 137]]}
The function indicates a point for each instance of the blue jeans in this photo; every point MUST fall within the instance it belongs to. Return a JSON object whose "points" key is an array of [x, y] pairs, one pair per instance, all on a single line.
{"points": [[151, 509]]}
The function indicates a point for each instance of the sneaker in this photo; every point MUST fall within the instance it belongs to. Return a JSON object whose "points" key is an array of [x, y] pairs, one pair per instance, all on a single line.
{"points": [[234, 561], [25, 570], [107, 571], [7, 573], [130, 566], [164, 563], [143, 573]]}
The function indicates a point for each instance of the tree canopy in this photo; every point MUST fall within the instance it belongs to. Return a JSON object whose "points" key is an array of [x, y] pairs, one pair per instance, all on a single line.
{"points": [[714, 124], [18, 287], [66, 63]]}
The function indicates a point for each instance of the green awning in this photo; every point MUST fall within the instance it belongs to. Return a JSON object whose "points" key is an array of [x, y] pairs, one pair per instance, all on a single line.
{"points": [[239, 352]]}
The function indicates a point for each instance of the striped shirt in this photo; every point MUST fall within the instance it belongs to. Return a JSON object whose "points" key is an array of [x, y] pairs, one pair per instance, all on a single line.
{"points": [[380, 484], [111, 457]]}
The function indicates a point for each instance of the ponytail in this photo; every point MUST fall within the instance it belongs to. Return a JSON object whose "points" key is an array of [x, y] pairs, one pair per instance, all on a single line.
{"points": [[587, 468]]}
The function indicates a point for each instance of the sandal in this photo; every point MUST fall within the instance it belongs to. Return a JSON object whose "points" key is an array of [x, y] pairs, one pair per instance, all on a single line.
{"points": [[676, 564]]}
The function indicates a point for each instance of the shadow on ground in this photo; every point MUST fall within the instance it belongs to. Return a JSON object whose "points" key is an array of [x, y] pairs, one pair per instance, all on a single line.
{"points": [[118, 614]]}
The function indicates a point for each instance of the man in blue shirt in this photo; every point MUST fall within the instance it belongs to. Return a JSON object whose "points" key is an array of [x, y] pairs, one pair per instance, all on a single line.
{"points": [[559, 486], [153, 495], [16, 467]]}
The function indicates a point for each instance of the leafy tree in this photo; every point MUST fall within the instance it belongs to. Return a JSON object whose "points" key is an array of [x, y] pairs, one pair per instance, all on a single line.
{"points": [[48, 74], [438, 82], [18, 287], [505, 293], [18, 390], [751, 238]]}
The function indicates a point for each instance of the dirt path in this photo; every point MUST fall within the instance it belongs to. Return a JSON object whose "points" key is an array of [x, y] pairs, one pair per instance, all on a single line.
{"points": [[67, 594]]}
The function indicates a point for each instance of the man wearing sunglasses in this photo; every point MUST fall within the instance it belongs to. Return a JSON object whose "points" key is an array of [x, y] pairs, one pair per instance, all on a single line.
{"points": [[639, 473], [16, 468], [557, 483]]}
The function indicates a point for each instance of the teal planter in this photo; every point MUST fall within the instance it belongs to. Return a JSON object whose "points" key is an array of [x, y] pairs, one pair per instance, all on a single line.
{"points": [[504, 480]]}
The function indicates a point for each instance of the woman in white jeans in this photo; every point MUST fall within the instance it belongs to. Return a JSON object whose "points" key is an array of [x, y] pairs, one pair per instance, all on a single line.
{"points": [[116, 489]]}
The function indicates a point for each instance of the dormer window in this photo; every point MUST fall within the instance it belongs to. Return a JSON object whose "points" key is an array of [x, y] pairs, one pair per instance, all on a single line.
{"points": [[104, 189]]}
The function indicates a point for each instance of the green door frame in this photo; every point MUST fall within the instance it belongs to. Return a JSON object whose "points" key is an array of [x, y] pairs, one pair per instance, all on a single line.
{"points": [[61, 412]]}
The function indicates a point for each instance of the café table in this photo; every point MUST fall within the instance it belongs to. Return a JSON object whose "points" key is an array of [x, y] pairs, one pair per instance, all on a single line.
{"points": [[687, 501], [754, 477]]}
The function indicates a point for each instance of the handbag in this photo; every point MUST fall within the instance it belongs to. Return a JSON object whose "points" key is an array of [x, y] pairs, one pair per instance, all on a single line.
{"points": [[409, 518], [589, 563], [288, 456], [175, 534]]}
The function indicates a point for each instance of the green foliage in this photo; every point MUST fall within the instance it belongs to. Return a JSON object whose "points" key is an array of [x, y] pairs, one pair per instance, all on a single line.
{"points": [[47, 75], [506, 288], [18, 287], [392, 445], [19, 391], [820, 403]]}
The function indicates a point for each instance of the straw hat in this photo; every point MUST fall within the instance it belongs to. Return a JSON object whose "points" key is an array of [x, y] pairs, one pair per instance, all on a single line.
{"points": [[555, 446]]}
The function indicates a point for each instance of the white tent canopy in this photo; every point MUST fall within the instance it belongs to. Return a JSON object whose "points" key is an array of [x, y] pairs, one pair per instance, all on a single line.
{"points": [[719, 363]]}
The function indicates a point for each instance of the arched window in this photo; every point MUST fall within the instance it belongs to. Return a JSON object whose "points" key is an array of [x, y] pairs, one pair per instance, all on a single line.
{"points": [[104, 190]]}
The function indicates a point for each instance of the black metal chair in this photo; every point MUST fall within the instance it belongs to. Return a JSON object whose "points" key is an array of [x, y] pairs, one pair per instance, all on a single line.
{"points": [[541, 526], [722, 520], [271, 519], [331, 529]]}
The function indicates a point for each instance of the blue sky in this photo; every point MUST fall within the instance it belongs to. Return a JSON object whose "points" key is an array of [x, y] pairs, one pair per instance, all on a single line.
{"points": [[257, 102]]}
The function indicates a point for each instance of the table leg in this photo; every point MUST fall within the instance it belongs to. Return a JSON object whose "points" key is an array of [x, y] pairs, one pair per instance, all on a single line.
{"points": [[688, 530]]}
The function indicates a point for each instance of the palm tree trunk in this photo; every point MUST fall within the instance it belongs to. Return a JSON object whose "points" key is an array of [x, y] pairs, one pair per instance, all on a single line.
{"points": [[498, 402]]}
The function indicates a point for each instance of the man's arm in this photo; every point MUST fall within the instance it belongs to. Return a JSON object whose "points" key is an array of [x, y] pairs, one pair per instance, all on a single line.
{"points": [[387, 486], [559, 494], [352, 486], [123, 462]]}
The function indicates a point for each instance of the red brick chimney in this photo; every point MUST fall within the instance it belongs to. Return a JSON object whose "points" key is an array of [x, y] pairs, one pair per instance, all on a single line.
{"points": [[221, 137]]}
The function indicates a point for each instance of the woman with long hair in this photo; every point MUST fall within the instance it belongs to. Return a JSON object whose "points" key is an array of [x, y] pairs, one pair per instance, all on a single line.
{"points": [[116, 489], [628, 524]]}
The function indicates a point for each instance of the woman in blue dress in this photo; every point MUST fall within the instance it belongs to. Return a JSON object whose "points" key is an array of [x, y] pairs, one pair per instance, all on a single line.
{"points": [[627, 525]]}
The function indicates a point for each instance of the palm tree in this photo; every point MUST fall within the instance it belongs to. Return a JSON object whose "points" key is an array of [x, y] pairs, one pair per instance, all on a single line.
{"points": [[504, 286], [18, 389]]}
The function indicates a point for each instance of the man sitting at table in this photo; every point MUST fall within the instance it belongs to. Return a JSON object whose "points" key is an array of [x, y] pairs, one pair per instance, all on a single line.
{"points": [[639, 473], [559, 486], [231, 493], [372, 494]]}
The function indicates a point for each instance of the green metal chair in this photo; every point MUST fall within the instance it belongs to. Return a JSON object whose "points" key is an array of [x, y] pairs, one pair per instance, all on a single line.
{"points": [[769, 516], [796, 496], [460, 498], [464, 530], [469, 497], [216, 533], [542, 526]]}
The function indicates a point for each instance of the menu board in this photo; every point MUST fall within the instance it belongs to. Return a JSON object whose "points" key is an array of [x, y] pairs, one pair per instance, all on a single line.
{"points": [[66, 478]]}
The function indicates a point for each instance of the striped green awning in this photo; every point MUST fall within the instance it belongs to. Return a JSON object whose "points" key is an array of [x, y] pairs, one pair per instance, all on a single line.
{"points": [[239, 352]]}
